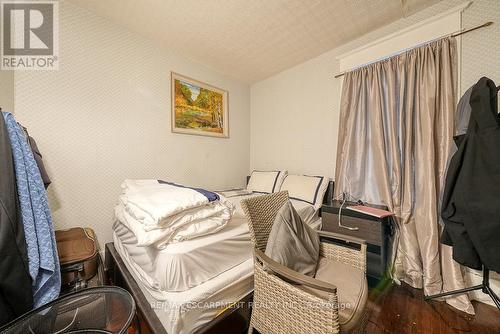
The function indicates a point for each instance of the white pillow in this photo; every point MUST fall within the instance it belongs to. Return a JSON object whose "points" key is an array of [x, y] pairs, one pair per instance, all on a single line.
{"points": [[310, 189], [266, 181]]}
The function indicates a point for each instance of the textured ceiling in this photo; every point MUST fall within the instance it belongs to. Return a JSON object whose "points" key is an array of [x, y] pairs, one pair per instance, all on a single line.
{"points": [[252, 39]]}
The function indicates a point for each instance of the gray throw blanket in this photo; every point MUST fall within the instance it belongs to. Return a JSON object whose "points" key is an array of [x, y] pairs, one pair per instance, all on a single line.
{"points": [[293, 243]]}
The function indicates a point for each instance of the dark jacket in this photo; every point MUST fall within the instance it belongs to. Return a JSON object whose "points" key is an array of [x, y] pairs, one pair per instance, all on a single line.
{"points": [[38, 157], [16, 296], [471, 200], [39, 162]]}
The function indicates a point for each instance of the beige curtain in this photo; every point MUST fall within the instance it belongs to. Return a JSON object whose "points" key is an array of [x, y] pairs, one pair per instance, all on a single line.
{"points": [[395, 141]]}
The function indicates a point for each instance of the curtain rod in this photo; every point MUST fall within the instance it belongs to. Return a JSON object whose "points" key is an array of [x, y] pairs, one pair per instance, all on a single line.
{"points": [[455, 34]]}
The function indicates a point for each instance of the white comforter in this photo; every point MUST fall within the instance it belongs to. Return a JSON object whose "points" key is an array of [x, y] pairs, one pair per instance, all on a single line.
{"points": [[160, 213]]}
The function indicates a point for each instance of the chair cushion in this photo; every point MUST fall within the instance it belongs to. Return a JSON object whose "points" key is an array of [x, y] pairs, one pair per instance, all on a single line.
{"points": [[293, 243], [352, 290]]}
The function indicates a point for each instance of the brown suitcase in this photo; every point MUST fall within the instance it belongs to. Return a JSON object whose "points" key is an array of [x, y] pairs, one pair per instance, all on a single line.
{"points": [[78, 255]]}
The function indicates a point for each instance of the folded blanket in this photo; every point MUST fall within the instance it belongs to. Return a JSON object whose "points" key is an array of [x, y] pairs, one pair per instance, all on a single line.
{"points": [[156, 204], [184, 230], [160, 212]]}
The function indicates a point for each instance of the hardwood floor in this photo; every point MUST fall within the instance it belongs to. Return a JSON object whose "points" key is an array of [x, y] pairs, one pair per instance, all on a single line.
{"points": [[402, 309]]}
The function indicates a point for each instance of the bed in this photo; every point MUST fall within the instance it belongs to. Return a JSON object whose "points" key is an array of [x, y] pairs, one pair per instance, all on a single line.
{"points": [[233, 320], [180, 288]]}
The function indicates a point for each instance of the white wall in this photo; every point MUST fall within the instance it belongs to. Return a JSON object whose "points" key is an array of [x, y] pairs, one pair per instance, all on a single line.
{"points": [[7, 90], [294, 114], [294, 120], [105, 116]]}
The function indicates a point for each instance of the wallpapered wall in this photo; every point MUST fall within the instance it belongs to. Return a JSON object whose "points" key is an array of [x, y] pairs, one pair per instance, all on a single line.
{"points": [[7, 90], [294, 114], [105, 116]]}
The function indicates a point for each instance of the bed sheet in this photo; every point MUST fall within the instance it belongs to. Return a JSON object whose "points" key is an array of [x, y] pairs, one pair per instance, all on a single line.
{"points": [[187, 311]]}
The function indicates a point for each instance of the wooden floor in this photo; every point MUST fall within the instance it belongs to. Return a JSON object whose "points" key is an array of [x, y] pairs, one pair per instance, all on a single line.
{"points": [[402, 309]]}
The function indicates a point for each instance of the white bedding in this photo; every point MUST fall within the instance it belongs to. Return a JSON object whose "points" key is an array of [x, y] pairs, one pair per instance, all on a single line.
{"points": [[183, 265], [186, 264], [187, 311], [159, 204], [169, 208], [163, 236], [160, 213]]}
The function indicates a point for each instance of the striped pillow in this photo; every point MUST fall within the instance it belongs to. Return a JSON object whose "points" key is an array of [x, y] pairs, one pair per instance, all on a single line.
{"points": [[265, 182], [310, 189]]}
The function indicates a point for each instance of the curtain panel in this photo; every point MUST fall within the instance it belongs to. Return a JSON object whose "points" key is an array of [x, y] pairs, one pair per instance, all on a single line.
{"points": [[395, 141]]}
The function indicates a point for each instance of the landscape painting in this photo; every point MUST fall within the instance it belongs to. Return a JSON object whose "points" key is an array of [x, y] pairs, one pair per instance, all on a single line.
{"points": [[198, 108]]}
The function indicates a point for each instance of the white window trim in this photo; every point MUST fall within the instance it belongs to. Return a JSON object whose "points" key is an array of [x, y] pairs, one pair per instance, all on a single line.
{"points": [[427, 30]]}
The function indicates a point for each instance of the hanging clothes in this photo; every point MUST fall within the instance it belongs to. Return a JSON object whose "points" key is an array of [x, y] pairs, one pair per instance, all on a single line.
{"points": [[37, 221], [471, 200], [39, 162], [462, 116], [38, 157], [16, 296]]}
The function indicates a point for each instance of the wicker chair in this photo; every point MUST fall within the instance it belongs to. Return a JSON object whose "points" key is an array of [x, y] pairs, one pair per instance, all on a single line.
{"points": [[286, 301]]}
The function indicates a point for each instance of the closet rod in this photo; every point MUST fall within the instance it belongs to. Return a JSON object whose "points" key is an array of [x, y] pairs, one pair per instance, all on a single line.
{"points": [[455, 34]]}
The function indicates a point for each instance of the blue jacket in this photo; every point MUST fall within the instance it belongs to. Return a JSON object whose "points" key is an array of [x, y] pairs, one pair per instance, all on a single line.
{"points": [[41, 245]]}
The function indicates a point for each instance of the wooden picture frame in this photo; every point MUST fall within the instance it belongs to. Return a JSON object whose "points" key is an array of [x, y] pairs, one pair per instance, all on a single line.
{"points": [[198, 108]]}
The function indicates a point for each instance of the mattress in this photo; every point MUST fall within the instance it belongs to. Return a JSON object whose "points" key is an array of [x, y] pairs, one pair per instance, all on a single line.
{"points": [[183, 265], [187, 311]]}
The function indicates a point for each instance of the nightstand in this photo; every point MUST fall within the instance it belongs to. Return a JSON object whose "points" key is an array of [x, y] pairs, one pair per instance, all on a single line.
{"points": [[378, 233]]}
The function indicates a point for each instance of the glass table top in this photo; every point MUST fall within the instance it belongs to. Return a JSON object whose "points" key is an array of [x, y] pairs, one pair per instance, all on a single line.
{"points": [[106, 309]]}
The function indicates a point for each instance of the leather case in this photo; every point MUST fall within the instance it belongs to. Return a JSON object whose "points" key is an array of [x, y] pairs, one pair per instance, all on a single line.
{"points": [[78, 254]]}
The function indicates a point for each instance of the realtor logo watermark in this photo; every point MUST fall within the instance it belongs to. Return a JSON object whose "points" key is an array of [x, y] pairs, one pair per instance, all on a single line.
{"points": [[30, 35]]}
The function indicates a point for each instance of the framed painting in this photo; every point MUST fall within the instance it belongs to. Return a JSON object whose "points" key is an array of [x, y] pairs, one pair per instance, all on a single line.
{"points": [[198, 108]]}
